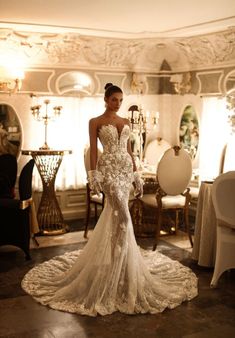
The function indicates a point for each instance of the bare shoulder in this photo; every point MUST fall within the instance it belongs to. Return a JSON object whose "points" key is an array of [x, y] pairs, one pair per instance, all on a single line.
{"points": [[126, 121], [94, 121]]}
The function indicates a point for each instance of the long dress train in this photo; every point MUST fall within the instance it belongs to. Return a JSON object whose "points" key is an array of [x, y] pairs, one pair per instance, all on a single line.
{"points": [[111, 273]]}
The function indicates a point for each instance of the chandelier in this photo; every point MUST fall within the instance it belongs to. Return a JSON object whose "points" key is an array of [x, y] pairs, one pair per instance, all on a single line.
{"points": [[45, 117]]}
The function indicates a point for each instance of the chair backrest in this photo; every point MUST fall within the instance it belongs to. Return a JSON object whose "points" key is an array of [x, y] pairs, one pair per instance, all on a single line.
{"points": [[154, 150], [229, 158], [223, 197], [25, 180], [8, 168], [87, 158], [174, 171]]}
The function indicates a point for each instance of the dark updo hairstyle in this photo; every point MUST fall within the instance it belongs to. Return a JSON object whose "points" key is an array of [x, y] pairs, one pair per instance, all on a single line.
{"points": [[110, 89]]}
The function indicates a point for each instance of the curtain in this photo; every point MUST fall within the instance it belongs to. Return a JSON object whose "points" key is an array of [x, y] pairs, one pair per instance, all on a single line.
{"points": [[70, 131], [214, 133]]}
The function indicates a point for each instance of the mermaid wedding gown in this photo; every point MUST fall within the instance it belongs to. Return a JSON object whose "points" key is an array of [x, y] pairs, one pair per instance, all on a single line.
{"points": [[112, 273]]}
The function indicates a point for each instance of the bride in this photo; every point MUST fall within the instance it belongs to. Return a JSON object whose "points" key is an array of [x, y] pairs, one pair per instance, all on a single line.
{"points": [[111, 273]]}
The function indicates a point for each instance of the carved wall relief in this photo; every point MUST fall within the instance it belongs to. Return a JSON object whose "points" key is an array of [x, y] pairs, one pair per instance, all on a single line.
{"points": [[145, 54]]}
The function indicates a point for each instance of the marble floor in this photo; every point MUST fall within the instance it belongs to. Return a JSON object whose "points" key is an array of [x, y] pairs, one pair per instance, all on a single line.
{"points": [[211, 314]]}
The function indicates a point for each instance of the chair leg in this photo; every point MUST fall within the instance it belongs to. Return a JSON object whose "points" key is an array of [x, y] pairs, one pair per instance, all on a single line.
{"points": [[25, 247], [176, 221], [88, 210], [188, 226], [35, 240], [27, 256], [158, 228], [96, 213]]}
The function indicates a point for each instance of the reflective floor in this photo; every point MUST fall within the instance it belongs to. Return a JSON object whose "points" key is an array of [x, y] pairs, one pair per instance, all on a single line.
{"points": [[211, 314]]}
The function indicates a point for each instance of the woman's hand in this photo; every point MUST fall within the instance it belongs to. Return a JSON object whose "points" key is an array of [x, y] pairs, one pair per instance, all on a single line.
{"points": [[138, 184], [95, 178]]}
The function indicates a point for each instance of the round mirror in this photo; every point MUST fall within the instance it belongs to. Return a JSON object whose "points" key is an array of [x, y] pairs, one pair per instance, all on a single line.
{"points": [[10, 131], [189, 131]]}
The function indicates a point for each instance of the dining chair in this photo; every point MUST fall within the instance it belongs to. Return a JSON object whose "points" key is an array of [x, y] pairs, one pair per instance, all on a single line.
{"points": [[172, 194], [91, 199], [223, 193], [15, 213], [154, 150], [8, 174]]}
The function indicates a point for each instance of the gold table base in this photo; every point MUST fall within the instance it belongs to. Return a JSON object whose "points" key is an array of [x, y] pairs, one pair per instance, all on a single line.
{"points": [[50, 218]]}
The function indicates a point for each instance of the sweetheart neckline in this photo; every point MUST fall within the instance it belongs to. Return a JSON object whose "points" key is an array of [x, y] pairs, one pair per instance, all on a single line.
{"points": [[116, 128]]}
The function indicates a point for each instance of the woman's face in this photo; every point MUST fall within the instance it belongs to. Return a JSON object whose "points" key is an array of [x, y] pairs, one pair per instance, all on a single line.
{"points": [[114, 101]]}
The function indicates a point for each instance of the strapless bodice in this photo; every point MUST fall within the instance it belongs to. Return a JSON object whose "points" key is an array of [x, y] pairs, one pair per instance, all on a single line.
{"points": [[111, 140], [115, 162]]}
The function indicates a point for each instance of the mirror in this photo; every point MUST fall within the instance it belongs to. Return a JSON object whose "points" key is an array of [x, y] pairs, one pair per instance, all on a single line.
{"points": [[189, 131], [10, 131]]}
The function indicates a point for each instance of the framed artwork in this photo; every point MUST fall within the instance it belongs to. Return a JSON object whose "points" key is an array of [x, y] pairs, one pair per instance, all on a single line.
{"points": [[189, 131]]}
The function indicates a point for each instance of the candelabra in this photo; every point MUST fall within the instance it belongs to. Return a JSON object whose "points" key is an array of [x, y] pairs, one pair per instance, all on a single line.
{"points": [[139, 125], [45, 117]]}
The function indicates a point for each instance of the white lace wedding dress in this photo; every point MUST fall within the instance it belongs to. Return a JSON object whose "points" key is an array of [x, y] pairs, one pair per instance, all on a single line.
{"points": [[112, 273]]}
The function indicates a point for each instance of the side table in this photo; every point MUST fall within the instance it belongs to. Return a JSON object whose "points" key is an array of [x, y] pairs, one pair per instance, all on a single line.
{"points": [[50, 218]]}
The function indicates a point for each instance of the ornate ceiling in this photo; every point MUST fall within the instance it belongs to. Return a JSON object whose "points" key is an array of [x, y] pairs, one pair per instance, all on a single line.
{"points": [[123, 36], [140, 55]]}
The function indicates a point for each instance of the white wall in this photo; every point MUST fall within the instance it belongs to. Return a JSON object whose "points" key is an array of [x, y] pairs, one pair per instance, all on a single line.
{"points": [[210, 111]]}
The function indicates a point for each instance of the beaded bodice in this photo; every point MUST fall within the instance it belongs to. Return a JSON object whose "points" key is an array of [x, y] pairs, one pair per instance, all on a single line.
{"points": [[111, 139]]}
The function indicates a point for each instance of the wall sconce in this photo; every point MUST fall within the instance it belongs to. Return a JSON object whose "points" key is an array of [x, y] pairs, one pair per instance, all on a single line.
{"points": [[181, 83], [10, 79], [45, 117]]}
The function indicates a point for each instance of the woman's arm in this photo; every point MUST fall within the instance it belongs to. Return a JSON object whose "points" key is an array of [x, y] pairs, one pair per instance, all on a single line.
{"points": [[129, 148], [93, 143]]}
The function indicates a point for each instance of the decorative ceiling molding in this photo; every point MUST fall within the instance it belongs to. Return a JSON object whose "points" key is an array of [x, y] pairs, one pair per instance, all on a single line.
{"points": [[139, 55]]}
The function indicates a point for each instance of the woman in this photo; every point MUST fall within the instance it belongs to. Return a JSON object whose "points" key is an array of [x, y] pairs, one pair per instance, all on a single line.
{"points": [[110, 274]]}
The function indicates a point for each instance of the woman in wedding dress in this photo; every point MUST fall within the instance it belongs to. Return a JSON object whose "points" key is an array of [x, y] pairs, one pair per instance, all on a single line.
{"points": [[111, 273]]}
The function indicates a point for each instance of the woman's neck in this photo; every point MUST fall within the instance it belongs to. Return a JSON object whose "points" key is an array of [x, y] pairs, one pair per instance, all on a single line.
{"points": [[110, 113]]}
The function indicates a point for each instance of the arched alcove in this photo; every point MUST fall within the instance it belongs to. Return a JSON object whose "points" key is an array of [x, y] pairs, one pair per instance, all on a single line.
{"points": [[229, 82], [75, 83]]}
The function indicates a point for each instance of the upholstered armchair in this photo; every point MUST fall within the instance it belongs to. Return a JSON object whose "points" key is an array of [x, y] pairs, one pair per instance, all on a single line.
{"points": [[15, 212]]}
